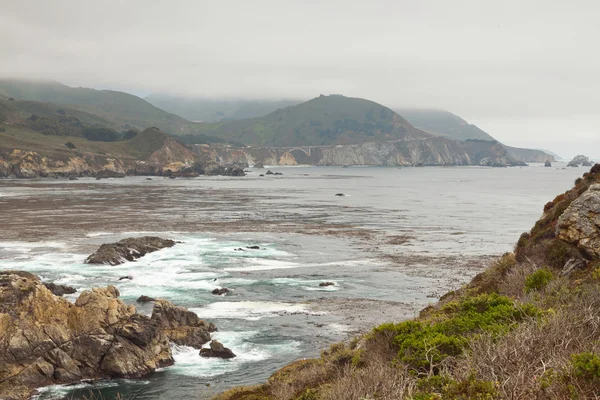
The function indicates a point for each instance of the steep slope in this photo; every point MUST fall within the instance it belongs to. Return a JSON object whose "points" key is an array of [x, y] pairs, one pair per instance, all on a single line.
{"points": [[528, 327], [121, 109], [444, 123], [215, 110], [325, 120], [530, 155]]}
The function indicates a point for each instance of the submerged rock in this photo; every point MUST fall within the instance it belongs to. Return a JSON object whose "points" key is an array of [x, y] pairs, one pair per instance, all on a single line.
{"points": [[220, 291], [217, 350], [46, 340], [580, 223], [127, 250], [181, 326], [127, 277], [340, 194], [253, 247], [322, 284]]}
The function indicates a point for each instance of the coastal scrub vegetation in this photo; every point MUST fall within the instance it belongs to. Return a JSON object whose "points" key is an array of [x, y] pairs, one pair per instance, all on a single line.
{"points": [[528, 327]]}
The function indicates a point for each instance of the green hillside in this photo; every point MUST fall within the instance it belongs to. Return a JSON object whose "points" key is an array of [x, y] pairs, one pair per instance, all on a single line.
{"points": [[215, 110], [443, 123], [324, 120], [122, 110]]}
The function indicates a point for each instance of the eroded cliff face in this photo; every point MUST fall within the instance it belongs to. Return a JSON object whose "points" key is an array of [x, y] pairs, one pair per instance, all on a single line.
{"points": [[44, 339], [175, 159], [579, 225]]}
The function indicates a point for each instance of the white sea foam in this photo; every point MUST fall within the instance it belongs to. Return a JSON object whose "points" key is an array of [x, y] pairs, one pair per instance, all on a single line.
{"points": [[249, 310], [189, 363], [97, 234], [261, 264]]}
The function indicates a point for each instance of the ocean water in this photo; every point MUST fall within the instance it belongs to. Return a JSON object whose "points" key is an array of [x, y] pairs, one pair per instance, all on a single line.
{"points": [[398, 240]]}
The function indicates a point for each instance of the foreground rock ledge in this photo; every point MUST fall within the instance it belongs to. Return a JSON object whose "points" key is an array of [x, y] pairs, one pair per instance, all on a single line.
{"points": [[46, 340], [129, 249], [182, 327]]}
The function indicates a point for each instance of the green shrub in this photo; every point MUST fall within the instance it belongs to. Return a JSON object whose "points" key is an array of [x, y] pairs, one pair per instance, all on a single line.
{"points": [[538, 279], [586, 366], [422, 345]]}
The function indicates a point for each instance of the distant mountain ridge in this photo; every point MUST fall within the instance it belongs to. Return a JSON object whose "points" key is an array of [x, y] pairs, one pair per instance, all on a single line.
{"points": [[322, 121], [217, 110]]}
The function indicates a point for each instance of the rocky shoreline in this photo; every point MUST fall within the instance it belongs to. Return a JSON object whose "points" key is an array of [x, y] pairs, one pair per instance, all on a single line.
{"points": [[47, 340]]}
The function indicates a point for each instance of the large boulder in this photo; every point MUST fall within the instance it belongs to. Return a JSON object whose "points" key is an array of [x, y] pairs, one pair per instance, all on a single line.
{"points": [[580, 223], [128, 249], [46, 340], [217, 350], [182, 326]]}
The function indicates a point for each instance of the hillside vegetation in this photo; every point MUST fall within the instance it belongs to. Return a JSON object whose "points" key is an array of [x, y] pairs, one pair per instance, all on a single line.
{"points": [[528, 327], [122, 110], [325, 120], [444, 123]]}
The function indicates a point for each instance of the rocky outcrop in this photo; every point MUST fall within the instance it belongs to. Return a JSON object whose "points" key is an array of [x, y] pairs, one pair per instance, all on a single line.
{"points": [[547, 164], [217, 350], [181, 326], [45, 340], [220, 291], [580, 160], [128, 249], [580, 223]]}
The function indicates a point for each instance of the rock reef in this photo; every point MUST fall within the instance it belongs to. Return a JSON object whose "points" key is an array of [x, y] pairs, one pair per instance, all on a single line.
{"points": [[129, 249]]}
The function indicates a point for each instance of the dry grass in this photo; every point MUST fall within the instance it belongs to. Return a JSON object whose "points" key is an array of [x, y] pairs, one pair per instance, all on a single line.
{"points": [[533, 361]]}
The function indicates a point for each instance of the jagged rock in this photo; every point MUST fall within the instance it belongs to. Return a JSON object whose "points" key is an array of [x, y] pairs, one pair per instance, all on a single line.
{"points": [[46, 340], [326, 284], [220, 291], [224, 170], [587, 164], [217, 350], [127, 250], [580, 223], [109, 174], [182, 326], [573, 265], [547, 164], [269, 172], [60, 290], [579, 160]]}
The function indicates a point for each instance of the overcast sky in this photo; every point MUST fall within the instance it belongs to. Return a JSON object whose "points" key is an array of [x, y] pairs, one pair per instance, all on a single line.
{"points": [[526, 71]]}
